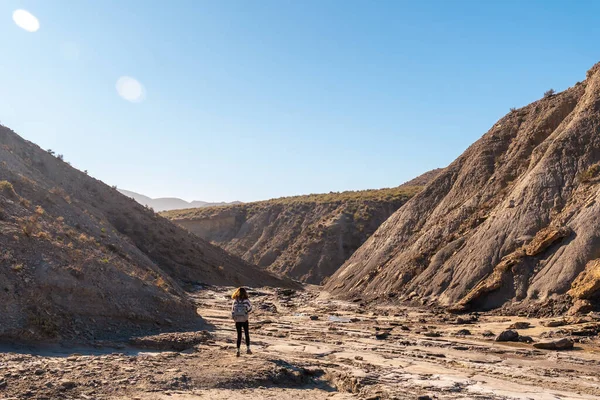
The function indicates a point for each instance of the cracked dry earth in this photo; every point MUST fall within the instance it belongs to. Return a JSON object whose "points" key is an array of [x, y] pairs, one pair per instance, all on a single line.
{"points": [[309, 346]]}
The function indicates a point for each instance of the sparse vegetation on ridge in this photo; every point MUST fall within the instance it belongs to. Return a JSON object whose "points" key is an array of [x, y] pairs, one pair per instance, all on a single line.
{"points": [[375, 195]]}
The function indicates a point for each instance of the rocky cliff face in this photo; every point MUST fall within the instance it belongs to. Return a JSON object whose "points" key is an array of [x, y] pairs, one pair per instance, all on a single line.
{"points": [[304, 237], [80, 260], [513, 220]]}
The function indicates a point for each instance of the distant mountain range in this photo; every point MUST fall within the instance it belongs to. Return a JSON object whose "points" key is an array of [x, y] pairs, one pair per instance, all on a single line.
{"points": [[170, 203]]}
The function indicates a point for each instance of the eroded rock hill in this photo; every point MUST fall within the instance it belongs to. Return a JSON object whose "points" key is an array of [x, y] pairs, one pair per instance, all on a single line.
{"points": [[80, 260], [304, 237], [513, 221]]}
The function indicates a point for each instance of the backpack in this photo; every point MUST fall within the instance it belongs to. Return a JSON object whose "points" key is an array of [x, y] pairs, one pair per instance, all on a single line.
{"points": [[240, 312]]}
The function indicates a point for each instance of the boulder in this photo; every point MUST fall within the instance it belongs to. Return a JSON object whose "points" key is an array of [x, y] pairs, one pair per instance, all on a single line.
{"points": [[580, 307]]}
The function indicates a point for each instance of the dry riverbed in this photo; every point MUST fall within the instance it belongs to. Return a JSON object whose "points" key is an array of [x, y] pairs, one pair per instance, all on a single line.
{"points": [[308, 346]]}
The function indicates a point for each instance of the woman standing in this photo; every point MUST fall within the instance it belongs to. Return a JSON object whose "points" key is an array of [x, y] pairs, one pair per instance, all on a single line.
{"points": [[240, 309]]}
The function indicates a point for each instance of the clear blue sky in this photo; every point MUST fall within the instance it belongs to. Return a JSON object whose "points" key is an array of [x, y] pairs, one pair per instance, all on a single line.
{"points": [[248, 100]]}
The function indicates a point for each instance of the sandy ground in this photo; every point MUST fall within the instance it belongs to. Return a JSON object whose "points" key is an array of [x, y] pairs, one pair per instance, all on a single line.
{"points": [[308, 346]]}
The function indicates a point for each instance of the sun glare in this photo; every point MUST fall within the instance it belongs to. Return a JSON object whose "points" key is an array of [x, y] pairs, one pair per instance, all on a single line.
{"points": [[130, 89], [24, 19]]}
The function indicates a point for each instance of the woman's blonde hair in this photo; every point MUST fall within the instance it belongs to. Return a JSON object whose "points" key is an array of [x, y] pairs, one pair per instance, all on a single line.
{"points": [[240, 294]]}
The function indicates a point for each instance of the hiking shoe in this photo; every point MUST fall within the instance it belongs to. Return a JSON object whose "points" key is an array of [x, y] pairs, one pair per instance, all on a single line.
{"points": [[248, 352], [237, 354]]}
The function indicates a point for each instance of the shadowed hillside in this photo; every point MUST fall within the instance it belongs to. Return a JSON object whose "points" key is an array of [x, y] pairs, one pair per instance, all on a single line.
{"points": [[77, 256]]}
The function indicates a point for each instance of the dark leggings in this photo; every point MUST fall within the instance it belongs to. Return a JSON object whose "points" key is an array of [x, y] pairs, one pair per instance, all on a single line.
{"points": [[238, 328]]}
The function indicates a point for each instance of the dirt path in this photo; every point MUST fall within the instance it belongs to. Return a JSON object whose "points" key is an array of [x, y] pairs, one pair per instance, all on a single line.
{"points": [[308, 346]]}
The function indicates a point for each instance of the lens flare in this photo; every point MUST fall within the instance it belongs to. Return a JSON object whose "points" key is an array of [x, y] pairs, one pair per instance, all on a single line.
{"points": [[24, 19], [130, 89]]}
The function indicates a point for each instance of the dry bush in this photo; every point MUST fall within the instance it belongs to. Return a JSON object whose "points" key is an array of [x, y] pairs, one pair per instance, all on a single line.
{"points": [[26, 180], [31, 225], [7, 189], [85, 238], [43, 235], [58, 191], [161, 283]]}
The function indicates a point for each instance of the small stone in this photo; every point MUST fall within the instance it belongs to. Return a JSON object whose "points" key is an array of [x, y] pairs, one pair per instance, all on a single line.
{"points": [[314, 317], [463, 332], [525, 339], [520, 325], [67, 384], [460, 348], [560, 344], [554, 323]]}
